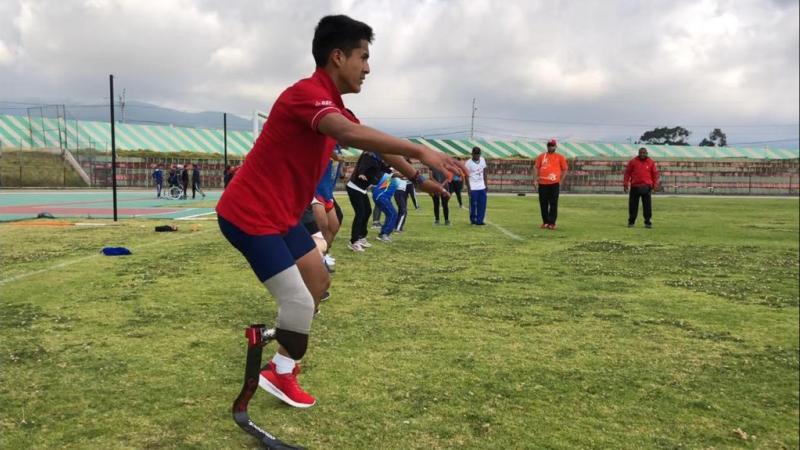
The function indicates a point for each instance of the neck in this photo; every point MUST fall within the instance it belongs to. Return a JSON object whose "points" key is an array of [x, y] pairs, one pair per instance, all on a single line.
{"points": [[338, 82]]}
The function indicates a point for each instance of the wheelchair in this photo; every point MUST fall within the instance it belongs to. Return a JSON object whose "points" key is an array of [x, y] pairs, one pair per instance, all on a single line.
{"points": [[174, 192]]}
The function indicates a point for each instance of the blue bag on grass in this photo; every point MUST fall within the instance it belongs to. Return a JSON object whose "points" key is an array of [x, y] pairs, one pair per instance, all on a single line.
{"points": [[116, 251]]}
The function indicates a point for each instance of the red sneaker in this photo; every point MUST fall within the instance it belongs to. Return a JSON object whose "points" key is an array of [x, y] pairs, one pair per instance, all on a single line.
{"points": [[544, 226], [552, 226], [285, 387]]}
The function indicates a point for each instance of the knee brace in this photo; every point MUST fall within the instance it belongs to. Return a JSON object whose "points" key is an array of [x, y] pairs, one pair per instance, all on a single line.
{"points": [[295, 303]]}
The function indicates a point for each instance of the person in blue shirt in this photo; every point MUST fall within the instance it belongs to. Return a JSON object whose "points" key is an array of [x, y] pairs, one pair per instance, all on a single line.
{"points": [[158, 180], [382, 194]]}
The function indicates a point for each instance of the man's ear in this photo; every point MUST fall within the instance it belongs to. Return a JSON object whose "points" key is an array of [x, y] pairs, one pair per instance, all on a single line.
{"points": [[337, 57]]}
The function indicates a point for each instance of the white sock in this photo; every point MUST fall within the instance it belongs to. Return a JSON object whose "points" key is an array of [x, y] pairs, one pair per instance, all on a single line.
{"points": [[283, 364]]}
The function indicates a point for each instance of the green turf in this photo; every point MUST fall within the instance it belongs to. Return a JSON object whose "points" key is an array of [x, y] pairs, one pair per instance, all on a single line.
{"points": [[591, 336]]}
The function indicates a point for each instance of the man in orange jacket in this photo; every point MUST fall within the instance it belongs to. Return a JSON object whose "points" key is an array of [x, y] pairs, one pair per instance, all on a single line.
{"points": [[550, 169], [641, 176]]}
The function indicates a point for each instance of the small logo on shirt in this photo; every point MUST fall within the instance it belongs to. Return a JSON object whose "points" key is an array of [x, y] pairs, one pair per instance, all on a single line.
{"points": [[323, 103]]}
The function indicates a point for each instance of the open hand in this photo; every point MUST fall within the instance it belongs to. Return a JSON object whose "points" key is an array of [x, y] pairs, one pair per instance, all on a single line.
{"points": [[443, 163], [433, 188]]}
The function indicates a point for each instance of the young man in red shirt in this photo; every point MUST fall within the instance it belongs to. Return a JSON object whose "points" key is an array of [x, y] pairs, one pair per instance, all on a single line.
{"points": [[641, 175], [550, 169], [260, 210]]}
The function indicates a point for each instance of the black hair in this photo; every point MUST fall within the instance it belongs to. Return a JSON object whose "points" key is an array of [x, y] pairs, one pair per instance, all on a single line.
{"points": [[476, 149], [340, 32]]}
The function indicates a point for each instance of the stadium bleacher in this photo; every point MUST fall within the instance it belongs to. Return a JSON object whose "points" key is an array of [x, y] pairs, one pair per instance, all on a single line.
{"points": [[595, 167], [18, 132]]}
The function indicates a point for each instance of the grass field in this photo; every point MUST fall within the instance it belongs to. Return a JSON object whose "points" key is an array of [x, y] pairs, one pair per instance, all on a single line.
{"points": [[591, 336]]}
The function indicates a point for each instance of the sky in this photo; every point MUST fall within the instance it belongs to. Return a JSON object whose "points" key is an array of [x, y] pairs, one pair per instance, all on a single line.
{"points": [[585, 70]]}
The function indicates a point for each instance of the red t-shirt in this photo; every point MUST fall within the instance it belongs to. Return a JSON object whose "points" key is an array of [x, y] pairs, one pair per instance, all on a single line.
{"points": [[280, 174]]}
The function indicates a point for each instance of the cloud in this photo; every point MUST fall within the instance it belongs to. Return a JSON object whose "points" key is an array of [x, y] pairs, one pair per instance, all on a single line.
{"points": [[615, 62], [6, 55]]}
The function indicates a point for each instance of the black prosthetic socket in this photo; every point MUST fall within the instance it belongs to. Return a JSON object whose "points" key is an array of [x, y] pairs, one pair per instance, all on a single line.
{"points": [[294, 343]]}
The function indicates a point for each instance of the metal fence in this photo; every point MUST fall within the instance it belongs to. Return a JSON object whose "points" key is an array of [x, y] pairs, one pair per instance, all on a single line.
{"points": [[678, 176]]}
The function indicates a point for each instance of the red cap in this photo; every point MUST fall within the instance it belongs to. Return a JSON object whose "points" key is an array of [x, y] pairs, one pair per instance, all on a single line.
{"points": [[552, 142]]}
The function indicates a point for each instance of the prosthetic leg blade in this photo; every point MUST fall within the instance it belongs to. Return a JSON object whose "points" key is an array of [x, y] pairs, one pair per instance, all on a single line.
{"points": [[257, 337]]}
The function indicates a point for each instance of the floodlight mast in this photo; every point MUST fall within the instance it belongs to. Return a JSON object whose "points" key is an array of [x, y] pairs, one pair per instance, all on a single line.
{"points": [[258, 116]]}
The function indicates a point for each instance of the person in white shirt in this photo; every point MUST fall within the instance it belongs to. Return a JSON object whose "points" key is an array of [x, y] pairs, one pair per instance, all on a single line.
{"points": [[477, 187]]}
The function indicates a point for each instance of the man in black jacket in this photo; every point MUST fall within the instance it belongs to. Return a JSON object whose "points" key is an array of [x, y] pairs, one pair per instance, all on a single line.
{"points": [[184, 180]]}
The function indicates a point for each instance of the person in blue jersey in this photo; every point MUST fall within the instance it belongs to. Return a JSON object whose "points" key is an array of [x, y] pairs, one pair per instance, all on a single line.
{"points": [[158, 180], [327, 215], [382, 194]]}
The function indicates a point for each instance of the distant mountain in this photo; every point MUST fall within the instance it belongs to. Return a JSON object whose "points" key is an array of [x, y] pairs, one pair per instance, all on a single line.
{"points": [[134, 112]]}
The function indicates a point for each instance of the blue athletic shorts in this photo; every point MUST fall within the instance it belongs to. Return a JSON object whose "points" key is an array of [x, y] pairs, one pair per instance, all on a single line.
{"points": [[269, 254]]}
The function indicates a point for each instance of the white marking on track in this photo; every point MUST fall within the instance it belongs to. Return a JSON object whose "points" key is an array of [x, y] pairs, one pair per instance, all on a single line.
{"points": [[196, 215]]}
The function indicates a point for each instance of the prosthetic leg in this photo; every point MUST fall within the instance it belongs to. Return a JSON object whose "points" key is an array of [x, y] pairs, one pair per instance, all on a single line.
{"points": [[257, 336]]}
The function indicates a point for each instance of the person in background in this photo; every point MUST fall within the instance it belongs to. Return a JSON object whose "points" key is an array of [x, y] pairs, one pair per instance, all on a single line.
{"points": [[196, 180], [158, 180], [455, 188], [376, 218], [477, 187], [411, 191], [173, 176], [401, 199], [326, 214], [226, 176], [367, 172], [641, 175], [382, 194], [550, 169], [440, 178], [184, 177]]}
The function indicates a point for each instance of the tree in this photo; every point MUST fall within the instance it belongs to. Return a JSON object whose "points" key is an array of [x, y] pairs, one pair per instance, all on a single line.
{"points": [[666, 135], [715, 139]]}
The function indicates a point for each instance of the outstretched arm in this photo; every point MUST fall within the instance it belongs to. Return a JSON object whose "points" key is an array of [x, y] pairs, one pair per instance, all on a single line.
{"points": [[350, 134], [428, 185]]}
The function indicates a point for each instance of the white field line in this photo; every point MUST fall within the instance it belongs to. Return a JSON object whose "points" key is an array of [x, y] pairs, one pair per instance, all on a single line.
{"points": [[501, 229], [504, 231], [196, 215], [84, 258]]}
